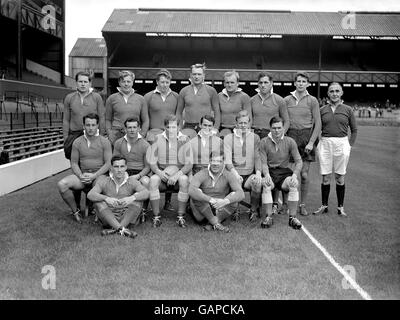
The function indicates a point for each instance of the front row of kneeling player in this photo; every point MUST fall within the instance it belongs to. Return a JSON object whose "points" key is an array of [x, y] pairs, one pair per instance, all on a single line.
{"points": [[214, 191]]}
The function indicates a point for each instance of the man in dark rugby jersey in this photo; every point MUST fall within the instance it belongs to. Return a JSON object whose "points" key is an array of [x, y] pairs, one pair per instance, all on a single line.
{"points": [[305, 126], [335, 145]]}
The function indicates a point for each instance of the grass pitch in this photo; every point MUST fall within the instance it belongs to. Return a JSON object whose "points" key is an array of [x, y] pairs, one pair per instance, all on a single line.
{"points": [[248, 263]]}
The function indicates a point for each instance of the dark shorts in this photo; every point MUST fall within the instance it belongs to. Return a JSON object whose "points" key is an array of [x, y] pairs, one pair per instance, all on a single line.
{"points": [[72, 136], [163, 187], [245, 178], [302, 136], [278, 176], [132, 172], [262, 133], [194, 126]]}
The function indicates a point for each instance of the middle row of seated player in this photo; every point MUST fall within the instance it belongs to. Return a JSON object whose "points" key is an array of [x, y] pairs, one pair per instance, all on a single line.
{"points": [[172, 160]]}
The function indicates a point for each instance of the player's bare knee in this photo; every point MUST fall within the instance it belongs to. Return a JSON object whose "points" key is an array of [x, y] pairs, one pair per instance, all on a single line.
{"points": [[62, 186], [326, 179], [145, 181], [339, 179], [154, 181], [256, 188], [183, 181]]}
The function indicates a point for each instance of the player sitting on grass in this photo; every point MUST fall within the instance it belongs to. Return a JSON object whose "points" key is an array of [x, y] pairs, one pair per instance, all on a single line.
{"points": [[117, 199], [275, 151], [214, 193]]}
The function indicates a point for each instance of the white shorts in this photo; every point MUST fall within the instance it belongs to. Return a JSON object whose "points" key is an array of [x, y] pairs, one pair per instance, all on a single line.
{"points": [[333, 153]]}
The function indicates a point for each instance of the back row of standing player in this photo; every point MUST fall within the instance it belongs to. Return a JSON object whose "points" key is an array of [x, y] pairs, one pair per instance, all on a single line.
{"points": [[299, 110]]}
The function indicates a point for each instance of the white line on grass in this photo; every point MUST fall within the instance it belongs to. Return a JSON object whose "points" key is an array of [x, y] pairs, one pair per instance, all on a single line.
{"points": [[354, 284]]}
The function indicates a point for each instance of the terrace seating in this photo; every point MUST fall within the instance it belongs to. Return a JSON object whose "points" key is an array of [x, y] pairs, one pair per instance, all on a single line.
{"points": [[23, 143]]}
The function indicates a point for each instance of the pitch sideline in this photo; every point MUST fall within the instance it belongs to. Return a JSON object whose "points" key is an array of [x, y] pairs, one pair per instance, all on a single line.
{"points": [[352, 282]]}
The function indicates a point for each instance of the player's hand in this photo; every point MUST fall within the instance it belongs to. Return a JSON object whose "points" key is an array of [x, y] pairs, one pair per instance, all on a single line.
{"points": [[213, 201], [136, 177], [309, 147], [257, 180], [267, 181], [124, 202], [293, 183], [163, 176], [85, 178], [172, 180], [112, 202]]}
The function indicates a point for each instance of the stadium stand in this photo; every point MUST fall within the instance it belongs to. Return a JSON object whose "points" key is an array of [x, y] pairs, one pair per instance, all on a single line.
{"points": [[24, 143]]}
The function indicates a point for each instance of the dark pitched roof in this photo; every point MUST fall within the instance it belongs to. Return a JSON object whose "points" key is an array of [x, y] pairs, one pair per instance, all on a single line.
{"points": [[89, 47], [251, 22]]}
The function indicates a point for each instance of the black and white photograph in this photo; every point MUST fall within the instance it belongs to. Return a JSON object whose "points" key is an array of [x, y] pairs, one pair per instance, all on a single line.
{"points": [[198, 157]]}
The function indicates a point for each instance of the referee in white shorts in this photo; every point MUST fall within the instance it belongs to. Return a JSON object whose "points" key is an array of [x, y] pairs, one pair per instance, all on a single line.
{"points": [[335, 145]]}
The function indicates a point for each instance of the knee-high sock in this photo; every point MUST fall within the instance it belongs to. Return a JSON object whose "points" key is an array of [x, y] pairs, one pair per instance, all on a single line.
{"points": [[168, 196], [155, 206], [325, 190], [340, 189], [255, 199], [304, 190], [77, 197], [69, 199], [293, 199]]}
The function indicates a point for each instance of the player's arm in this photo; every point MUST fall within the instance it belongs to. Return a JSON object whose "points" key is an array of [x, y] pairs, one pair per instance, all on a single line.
{"points": [[107, 159], [246, 105], [187, 159], [117, 148], [257, 156], [298, 163], [284, 114], [228, 140], [152, 159], [317, 122], [95, 194], [109, 114], [75, 160], [144, 116], [146, 168], [215, 107], [264, 158], [195, 191], [141, 193], [353, 128], [66, 117], [237, 193], [101, 112], [180, 106]]}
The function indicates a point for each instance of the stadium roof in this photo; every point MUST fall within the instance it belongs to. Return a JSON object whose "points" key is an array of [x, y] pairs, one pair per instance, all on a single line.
{"points": [[189, 21], [89, 47]]}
